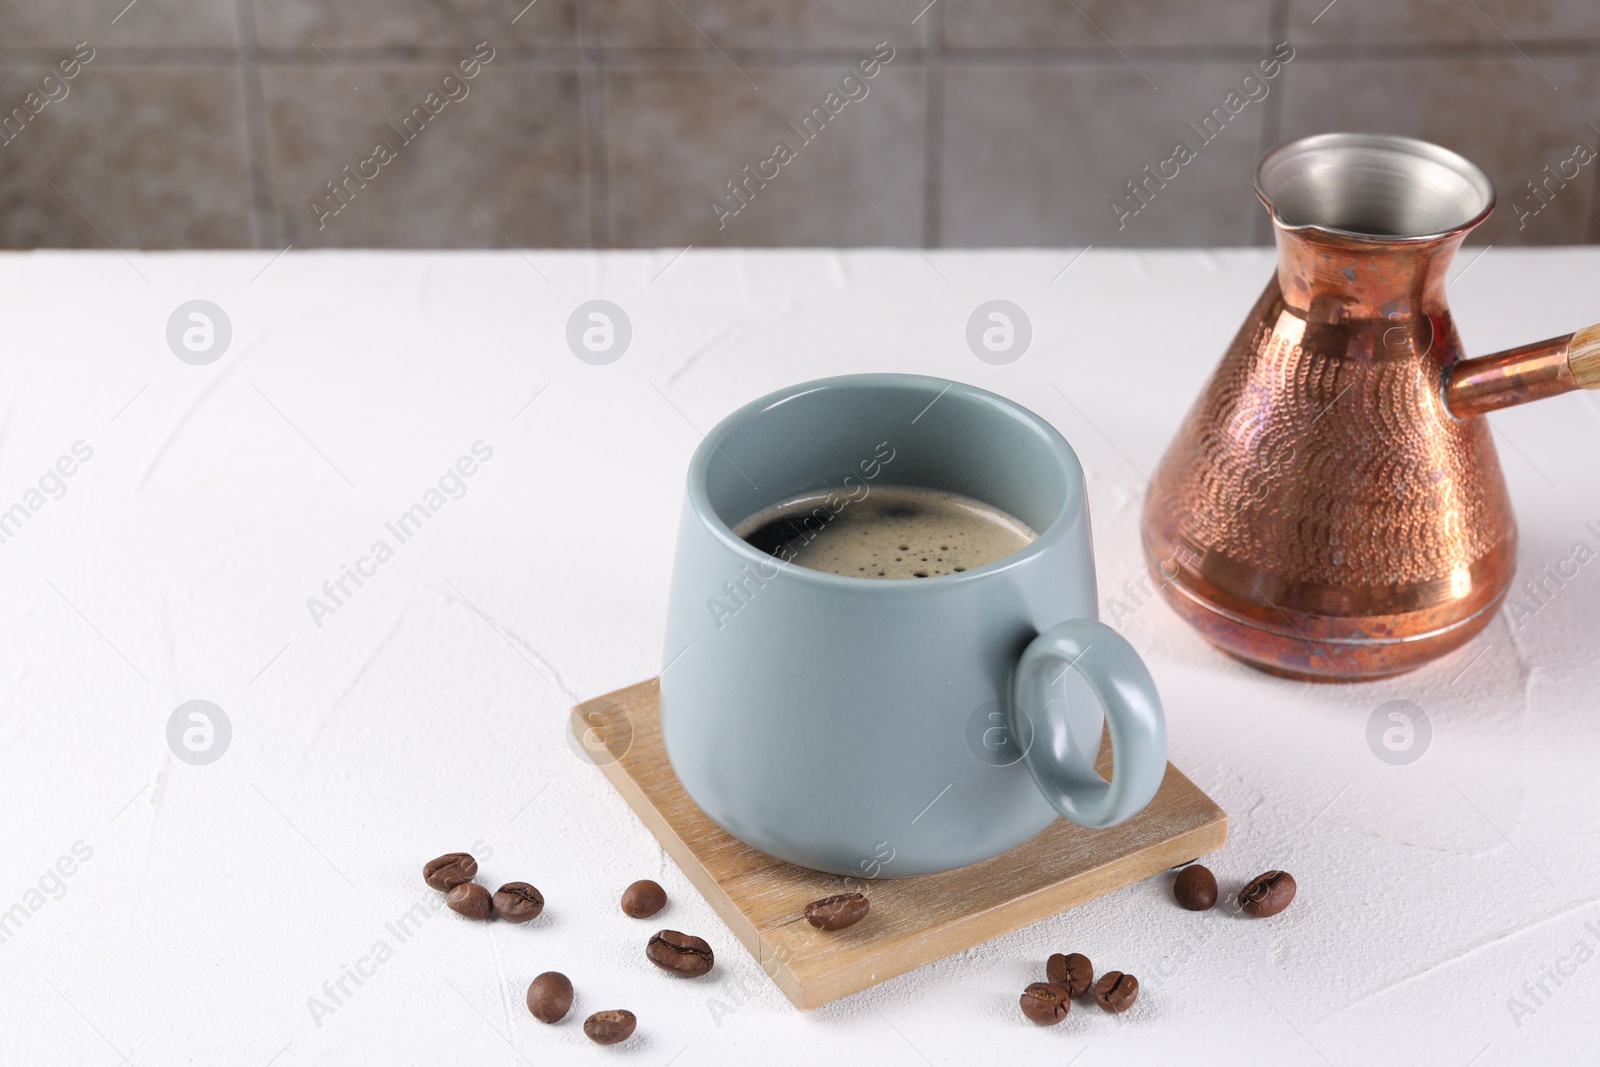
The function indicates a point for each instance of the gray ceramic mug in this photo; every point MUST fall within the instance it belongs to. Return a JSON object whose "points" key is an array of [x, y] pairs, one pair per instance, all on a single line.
{"points": [[883, 727]]}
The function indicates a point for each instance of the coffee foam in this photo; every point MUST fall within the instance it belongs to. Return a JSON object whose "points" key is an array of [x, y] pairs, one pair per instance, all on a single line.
{"points": [[895, 531]]}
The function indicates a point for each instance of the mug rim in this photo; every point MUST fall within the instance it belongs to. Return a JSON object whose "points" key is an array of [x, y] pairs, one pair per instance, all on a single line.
{"points": [[1074, 498]]}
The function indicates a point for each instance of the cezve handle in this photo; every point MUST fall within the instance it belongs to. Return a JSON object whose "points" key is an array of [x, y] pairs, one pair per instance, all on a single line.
{"points": [[1518, 375]]}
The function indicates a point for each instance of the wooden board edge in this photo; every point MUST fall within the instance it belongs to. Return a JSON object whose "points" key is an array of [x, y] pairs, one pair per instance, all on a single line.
{"points": [[743, 930], [626, 693], [861, 974], [843, 980]]}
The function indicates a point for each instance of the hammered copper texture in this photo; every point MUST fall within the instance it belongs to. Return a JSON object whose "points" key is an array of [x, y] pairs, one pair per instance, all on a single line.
{"points": [[1341, 522], [1312, 467]]}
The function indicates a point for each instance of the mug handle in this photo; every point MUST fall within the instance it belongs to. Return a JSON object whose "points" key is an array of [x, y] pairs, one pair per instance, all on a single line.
{"points": [[1126, 693]]}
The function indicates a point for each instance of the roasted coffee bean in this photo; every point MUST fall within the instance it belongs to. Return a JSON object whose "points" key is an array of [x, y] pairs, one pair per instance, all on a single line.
{"points": [[449, 870], [1045, 1003], [470, 899], [1072, 970], [1267, 894], [1116, 992], [835, 913], [550, 997], [681, 954], [1195, 889], [609, 1027], [517, 902], [643, 899]]}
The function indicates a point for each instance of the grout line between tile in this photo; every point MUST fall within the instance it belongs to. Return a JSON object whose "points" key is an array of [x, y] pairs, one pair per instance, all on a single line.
{"points": [[557, 56], [1373, 51], [933, 133], [667, 58], [112, 56], [1593, 228], [1271, 116], [263, 213], [591, 102], [629, 56]]}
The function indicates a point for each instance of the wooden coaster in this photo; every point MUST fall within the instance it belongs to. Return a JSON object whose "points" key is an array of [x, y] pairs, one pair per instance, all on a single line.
{"points": [[913, 920]]}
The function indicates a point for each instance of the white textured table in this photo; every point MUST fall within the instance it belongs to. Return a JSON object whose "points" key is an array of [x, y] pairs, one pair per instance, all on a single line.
{"points": [[253, 910]]}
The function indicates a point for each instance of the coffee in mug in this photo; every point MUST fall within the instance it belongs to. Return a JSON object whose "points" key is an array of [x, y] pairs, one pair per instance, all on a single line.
{"points": [[828, 715], [895, 531]]}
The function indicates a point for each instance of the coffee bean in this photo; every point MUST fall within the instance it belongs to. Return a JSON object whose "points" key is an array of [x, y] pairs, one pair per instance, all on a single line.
{"points": [[643, 899], [550, 996], [1116, 992], [1267, 894], [835, 913], [517, 902], [609, 1027], [1195, 889], [1072, 970], [449, 870], [682, 954], [470, 899], [1045, 1003]]}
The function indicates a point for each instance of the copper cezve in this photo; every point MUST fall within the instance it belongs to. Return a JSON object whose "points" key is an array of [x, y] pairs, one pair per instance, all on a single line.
{"points": [[1334, 492]]}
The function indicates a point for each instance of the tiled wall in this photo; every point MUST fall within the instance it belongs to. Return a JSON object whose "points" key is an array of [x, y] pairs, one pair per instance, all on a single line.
{"points": [[219, 123]]}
